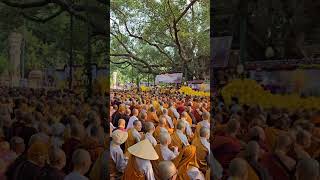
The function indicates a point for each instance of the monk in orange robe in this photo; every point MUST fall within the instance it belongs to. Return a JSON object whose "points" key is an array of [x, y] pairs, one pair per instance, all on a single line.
{"points": [[252, 155], [155, 163], [162, 127], [179, 139], [314, 149], [188, 167], [152, 116], [133, 135], [229, 142], [139, 166], [203, 148], [278, 163], [132, 171], [272, 133], [171, 114], [187, 117], [271, 136]]}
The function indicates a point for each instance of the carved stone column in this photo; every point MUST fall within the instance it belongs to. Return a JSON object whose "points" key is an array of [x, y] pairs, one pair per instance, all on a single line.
{"points": [[15, 40]]}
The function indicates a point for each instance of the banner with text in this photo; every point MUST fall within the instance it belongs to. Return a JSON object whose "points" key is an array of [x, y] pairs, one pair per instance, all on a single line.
{"points": [[169, 78]]}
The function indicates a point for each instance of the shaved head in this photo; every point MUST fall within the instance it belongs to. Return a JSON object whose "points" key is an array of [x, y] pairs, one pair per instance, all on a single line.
{"points": [[257, 133], [181, 125], [238, 168], [165, 138], [308, 169], [252, 150], [149, 126], [167, 170], [233, 126], [81, 160], [57, 158], [121, 123], [205, 132], [135, 112], [206, 116], [162, 120], [283, 142]]}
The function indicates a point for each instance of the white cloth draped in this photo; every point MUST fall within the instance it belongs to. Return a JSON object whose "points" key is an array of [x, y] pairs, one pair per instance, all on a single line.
{"points": [[118, 158], [145, 166]]}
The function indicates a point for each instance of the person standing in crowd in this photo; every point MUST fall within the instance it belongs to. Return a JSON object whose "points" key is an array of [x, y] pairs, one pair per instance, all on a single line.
{"points": [[139, 165], [53, 171], [81, 164]]}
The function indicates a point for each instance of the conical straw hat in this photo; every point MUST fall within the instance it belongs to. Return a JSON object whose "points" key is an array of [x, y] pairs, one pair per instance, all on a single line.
{"points": [[119, 136], [144, 150]]}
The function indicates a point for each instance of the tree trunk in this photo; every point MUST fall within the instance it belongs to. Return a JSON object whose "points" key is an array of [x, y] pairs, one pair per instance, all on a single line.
{"points": [[15, 40]]}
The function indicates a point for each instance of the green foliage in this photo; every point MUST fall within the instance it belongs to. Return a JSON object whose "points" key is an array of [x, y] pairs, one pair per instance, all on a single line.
{"points": [[152, 21], [48, 44]]}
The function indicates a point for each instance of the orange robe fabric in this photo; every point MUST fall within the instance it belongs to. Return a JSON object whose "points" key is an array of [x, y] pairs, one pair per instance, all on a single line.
{"points": [[175, 141], [153, 117], [155, 163], [271, 136], [275, 168], [202, 153], [189, 119], [174, 119], [157, 132], [114, 173], [252, 175], [314, 149], [93, 147], [187, 161], [130, 141], [132, 171]]}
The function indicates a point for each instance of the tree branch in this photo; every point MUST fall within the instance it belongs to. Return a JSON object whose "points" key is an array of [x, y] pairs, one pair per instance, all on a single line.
{"points": [[25, 5], [161, 50], [185, 10], [73, 9], [150, 43], [130, 54], [42, 20]]}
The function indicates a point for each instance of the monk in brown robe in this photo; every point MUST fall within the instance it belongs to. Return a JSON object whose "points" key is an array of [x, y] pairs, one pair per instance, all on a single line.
{"points": [[139, 166], [252, 155], [92, 144], [171, 113], [278, 163], [179, 139], [308, 169], [204, 123], [273, 132], [164, 153], [256, 133], [155, 163], [152, 116], [133, 135], [188, 167], [227, 141], [203, 148], [186, 116], [73, 143], [37, 156], [238, 169], [167, 170], [162, 127]]}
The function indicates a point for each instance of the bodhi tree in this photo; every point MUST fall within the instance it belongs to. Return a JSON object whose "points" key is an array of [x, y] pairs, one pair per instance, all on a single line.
{"points": [[51, 39], [161, 36], [45, 10]]}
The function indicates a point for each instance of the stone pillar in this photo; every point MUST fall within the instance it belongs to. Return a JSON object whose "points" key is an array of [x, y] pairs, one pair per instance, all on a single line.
{"points": [[15, 40]]}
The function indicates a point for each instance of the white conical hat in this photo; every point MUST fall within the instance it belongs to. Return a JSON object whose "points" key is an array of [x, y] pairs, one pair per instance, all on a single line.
{"points": [[119, 136], [143, 150]]}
